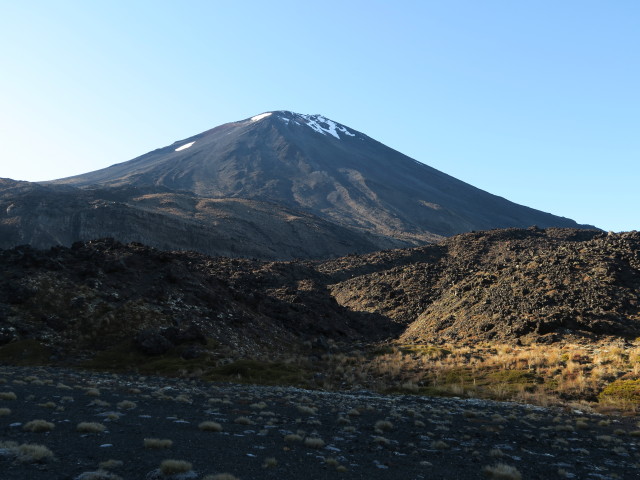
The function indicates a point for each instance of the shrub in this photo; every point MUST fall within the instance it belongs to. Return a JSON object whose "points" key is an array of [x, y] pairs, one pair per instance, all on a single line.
{"points": [[439, 445], [38, 426], [209, 426], [90, 427], [381, 441], [383, 425], [127, 405], [501, 471], [33, 453], [111, 463], [307, 410], [313, 442], [622, 390], [98, 475], [173, 467], [157, 443], [269, 462]]}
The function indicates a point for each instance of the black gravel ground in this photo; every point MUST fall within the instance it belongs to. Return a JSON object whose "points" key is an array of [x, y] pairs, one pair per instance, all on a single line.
{"points": [[364, 435]]}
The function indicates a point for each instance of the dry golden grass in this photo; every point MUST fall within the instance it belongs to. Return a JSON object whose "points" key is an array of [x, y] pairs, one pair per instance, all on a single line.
{"points": [[540, 374]]}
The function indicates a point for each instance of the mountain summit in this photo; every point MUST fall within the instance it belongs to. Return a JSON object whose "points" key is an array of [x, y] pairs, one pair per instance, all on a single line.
{"points": [[316, 165]]}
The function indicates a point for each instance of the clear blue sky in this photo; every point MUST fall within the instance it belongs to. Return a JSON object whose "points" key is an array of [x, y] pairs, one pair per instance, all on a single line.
{"points": [[535, 101]]}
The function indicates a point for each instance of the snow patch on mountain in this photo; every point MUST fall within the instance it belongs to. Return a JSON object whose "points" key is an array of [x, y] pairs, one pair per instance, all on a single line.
{"points": [[323, 125], [185, 146], [260, 117]]}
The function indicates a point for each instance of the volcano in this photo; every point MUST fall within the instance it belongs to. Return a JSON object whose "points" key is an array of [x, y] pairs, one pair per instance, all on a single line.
{"points": [[294, 166]]}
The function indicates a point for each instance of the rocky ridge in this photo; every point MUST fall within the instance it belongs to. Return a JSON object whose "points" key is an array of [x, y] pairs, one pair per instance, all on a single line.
{"points": [[47, 215], [509, 285]]}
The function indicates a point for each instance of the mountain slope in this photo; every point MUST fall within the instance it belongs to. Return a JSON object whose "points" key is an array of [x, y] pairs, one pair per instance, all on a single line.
{"points": [[48, 215], [311, 163]]}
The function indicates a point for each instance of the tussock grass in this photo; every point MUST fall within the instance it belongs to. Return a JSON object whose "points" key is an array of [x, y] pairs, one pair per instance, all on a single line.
{"points": [[221, 476], [383, 425], [381, 441], [90, 427], [8, 396], [98, 475], [174, 467], [540, 374], [209, 426], [313, 442], [110, 464], [439, 445], [92, 392], [270, 462], [38, 426], [307, 410], [127, 405], [292, 438], [157, 443], [5, 411], [33, 453], [243, 421], [501, 471]]}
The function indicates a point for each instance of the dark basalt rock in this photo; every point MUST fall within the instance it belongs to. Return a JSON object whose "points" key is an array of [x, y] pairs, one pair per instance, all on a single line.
{"points": [[502, 285], [152, 343]]}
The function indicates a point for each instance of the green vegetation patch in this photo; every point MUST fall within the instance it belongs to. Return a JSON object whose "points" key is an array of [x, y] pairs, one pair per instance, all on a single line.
{"points": [[459, 375], [255, 371], [25, 352], [383, 350], [513, 377], [621, 390], [126, 358], [425, 351]]}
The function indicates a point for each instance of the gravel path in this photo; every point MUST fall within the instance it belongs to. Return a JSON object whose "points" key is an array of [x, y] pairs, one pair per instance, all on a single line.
{"points": [[288, 433]]}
